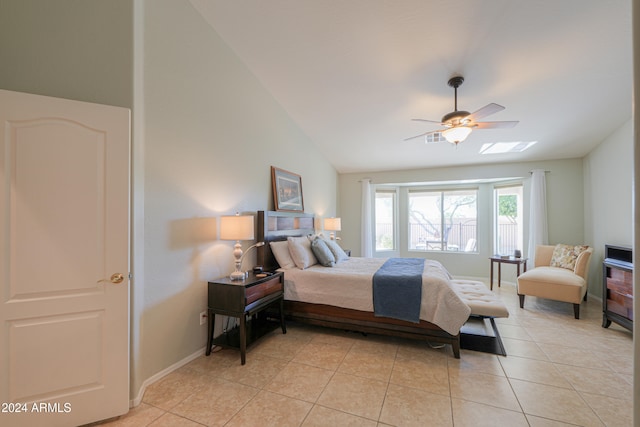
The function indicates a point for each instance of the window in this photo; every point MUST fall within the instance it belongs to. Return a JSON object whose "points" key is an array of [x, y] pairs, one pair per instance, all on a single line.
{"points": [[443, 220], [508, 235], [385, 220]]}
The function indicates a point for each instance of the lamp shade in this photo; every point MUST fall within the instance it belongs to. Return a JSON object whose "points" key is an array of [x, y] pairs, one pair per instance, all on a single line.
{"points": [[332, 224], [456, 134], [236, 227]]}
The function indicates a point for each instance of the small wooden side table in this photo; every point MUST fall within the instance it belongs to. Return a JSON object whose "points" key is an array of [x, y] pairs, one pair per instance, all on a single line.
{"points": [[510, 260], [242, 298]]}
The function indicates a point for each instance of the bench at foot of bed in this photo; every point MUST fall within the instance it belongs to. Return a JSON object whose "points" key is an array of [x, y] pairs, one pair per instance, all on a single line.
{"points": [[480, 332]]}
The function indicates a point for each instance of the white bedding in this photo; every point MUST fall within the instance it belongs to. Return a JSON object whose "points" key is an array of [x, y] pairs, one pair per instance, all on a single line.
{"points": [[349, 285]]}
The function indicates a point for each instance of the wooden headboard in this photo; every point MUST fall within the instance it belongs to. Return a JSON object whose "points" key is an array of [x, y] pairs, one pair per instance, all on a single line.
{"points": [[274, 226]]}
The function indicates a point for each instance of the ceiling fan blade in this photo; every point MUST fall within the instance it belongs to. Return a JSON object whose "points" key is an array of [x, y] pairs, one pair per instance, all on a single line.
{"points": [[425, 120], [495, 125], [484, 112], [423, 134]]}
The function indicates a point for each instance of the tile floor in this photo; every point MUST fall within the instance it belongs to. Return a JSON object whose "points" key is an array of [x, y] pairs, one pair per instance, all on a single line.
{"points": [[559, 371]]}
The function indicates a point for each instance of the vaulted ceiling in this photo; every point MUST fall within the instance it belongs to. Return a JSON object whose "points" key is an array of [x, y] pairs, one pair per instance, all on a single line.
{"points": [[353, 73]]}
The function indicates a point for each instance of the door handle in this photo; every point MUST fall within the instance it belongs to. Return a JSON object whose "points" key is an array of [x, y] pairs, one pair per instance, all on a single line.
{"points": [[115, 278]]}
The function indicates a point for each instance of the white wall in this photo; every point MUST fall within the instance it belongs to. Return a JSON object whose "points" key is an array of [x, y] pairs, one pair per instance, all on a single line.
{"points": [[608, 183], [564, 194], [636, 201], [71, 49], [211, 133]]}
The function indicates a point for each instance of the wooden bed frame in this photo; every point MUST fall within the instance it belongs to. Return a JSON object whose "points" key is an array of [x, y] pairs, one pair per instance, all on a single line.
{"points": [[275, 226]]}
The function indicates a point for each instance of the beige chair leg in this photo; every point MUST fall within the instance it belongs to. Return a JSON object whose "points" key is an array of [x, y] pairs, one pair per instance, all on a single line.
{"points": [[521, 300], [585, 296], [576, 310]]}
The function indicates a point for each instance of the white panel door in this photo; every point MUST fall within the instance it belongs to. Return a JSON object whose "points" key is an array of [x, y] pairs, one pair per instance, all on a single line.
{"points": [[64, 261]]}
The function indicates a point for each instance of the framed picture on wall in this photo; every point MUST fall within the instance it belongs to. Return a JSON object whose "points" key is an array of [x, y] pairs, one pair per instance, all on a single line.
{"points": [[287, 190]]}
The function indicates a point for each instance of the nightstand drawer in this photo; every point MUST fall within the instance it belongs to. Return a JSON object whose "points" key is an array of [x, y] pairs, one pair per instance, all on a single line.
{"points": [[256, 292]]}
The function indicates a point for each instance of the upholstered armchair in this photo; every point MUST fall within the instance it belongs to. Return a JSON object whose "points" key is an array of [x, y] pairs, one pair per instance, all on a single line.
{"points": [[559, 273]]}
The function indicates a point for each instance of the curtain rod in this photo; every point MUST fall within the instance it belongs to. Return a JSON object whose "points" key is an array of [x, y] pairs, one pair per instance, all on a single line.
{"points": [[544, 172]]}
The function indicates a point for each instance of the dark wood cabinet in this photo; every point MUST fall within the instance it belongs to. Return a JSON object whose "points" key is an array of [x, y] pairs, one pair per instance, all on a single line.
{"points": [[617, 287], [245, 299]]}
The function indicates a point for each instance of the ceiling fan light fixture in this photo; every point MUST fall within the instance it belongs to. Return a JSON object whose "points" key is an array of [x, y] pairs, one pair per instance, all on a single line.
{"points": [[458, 124], [456, 134]]}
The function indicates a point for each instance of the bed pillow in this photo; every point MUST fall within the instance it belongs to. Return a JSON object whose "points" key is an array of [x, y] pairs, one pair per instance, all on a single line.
{"points": [[300, 249], [322, 252], [337, 251], [282, 255], [565, 256]]}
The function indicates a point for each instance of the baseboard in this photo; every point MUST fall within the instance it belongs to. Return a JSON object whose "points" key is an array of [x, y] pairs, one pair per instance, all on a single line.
{"points": [[595, 297], [474, 278], [158, 376]]}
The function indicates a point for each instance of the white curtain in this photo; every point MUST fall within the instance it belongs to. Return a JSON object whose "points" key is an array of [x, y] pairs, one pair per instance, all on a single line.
{"points": [[538, 234], [365, 232]]}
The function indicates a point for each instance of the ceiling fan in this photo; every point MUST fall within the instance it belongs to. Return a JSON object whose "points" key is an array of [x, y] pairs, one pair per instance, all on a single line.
{"points": [[458, 124]]}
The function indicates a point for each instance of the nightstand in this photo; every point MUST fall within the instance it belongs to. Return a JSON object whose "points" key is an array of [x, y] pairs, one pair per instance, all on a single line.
{"points": [[243, 298]]}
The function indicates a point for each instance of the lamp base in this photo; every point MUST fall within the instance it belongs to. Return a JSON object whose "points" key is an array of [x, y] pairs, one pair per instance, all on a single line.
{"points": [[237, 275], [237, 253]]}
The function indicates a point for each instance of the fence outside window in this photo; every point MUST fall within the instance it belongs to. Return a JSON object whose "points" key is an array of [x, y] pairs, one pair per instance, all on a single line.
{"points": [[460, 237]]}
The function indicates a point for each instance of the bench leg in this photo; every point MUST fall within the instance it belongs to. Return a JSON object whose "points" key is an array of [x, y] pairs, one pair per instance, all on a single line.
{"points": [[576, 310], [521, 300]]}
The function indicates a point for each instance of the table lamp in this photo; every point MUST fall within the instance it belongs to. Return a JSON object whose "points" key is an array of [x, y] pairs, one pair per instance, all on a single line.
{"points": [[237, 227], [332, 224]]}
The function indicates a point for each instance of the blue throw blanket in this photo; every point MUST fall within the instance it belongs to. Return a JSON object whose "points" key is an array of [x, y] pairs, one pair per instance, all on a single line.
{"points": [[397, 289]]}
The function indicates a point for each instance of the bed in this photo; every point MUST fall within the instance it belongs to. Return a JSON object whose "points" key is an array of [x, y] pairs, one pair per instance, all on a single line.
{"points": [[352, 312]]}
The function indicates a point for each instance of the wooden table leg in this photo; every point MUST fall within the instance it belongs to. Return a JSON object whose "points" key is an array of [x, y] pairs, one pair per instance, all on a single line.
{"points": [[491, 280], [243, 338], [283, 325], [499, 272], [211, 321]]}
